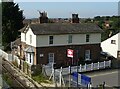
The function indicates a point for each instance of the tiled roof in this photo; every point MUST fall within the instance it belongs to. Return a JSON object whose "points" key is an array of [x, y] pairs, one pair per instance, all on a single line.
{"points": [[64, 28]]}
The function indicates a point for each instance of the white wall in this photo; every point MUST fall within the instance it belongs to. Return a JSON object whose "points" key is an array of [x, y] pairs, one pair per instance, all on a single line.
{"points": [[43, 40], [23, 37], [29, 32], [119, 41], [95, 38], [110, 48]]}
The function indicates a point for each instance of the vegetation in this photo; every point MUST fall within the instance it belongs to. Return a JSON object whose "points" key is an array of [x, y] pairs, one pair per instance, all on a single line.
{"points": [[39, 77], [12, 21], [112, 29], [114, 25], [7, 79]]}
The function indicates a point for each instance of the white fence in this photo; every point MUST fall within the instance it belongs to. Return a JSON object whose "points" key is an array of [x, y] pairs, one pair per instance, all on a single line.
{"points": [[81, 68], [9, 57]]}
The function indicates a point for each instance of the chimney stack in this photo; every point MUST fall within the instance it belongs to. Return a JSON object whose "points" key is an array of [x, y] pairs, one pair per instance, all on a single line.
{"points": [[43, 17], [75, 18]]}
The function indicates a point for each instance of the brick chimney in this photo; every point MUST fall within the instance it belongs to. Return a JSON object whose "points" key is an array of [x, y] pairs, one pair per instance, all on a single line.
{"points": [[75, 18], [43, 17]]}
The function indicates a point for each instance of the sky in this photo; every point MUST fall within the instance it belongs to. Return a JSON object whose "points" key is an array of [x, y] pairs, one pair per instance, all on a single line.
{"points": [[66, 9]]}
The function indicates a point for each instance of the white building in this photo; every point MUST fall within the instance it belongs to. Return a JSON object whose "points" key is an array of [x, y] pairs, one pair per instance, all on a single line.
{"points": [[112, 45]]}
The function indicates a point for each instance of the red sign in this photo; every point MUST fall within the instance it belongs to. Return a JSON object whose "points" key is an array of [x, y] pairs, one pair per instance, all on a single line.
{"points": [[70, 53]]}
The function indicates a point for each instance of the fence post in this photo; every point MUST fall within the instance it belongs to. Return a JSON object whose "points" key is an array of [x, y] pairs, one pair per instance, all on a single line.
{"points": [[85, 67], [69, 76], [91, 66], [60, 80], [104, 64], [53, 71], [98, 65], [80, 68]]}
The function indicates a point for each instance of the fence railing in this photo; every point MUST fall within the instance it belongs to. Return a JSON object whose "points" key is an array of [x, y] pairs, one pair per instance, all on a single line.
{"points": [[9, 57], [13, 58], [81, 68]]}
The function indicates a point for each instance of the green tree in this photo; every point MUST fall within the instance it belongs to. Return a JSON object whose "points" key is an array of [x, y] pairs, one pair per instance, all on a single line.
{"points": [[12, 21]]}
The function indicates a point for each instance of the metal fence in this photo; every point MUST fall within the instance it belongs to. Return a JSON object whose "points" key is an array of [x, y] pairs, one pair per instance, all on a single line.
{"points": [[59, 75], [81, 68]]}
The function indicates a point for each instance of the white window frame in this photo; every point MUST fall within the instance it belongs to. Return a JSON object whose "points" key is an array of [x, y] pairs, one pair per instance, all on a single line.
{"points": [[118, 54], [51, 40], [87, 55], [30, 58], [113, 41], [70, 37], [87, 38], [51, 57], [25, 36], [30, 39]]}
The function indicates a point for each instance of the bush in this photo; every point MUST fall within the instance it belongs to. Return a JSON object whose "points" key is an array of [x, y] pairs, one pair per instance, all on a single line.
{"points": [[38, 76]]}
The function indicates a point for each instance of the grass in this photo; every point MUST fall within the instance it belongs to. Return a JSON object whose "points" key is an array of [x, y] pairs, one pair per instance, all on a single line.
{"points": [[40, 78]]}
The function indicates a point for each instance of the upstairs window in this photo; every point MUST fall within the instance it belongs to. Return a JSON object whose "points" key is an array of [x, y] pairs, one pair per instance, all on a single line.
{"points": [[87, 38], [113, 41], [118, 54], [30, 39], [50, 39], [25, 36], [69, 38]]}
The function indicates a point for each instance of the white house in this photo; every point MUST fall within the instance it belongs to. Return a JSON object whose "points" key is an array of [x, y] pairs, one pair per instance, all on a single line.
{"points": [[48, 42], [112, 45]]}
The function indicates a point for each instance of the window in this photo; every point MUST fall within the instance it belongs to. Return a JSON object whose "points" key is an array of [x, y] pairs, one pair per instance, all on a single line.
{"points": [[87, 38], [113, 41], [30, 39], [25, 36], [118, 54], [87, 54], [50, 39], [69, 38], [30, 58], [51, 57]]}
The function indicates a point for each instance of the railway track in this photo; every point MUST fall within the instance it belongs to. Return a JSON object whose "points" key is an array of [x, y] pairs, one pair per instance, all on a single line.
{"points": [[19, 80]]}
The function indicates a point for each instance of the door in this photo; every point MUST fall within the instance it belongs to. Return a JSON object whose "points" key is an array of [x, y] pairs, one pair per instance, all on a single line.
{"points": [[51, 57], [87, 55]]}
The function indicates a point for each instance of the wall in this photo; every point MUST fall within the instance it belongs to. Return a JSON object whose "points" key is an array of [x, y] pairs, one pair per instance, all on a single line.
{"points": [[60, 53], [110, 48], [29, 32], [119, 41], [59, 40], [23, 37]]}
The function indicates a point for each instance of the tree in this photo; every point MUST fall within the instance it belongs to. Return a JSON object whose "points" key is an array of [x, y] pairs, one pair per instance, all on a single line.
{"points": [[12, 21]]}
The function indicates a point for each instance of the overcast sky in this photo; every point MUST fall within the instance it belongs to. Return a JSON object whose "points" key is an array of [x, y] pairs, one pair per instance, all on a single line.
{"points": [[65, 9]]}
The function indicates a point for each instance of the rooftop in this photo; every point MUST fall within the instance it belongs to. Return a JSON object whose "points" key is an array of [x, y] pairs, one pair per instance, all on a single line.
{"points": [[63, 28]]}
